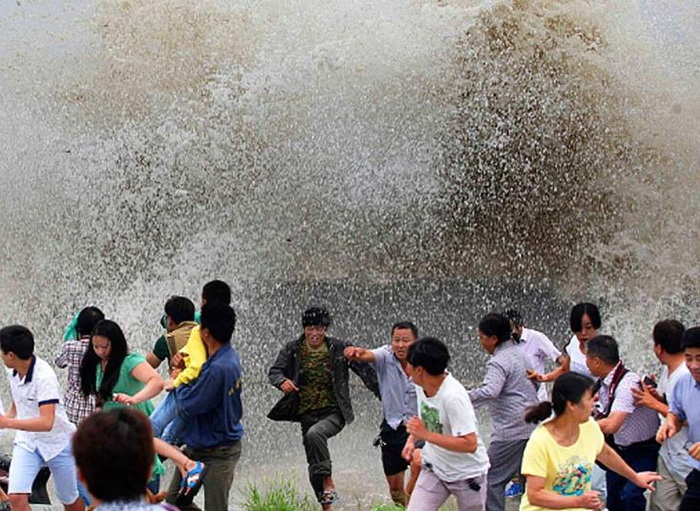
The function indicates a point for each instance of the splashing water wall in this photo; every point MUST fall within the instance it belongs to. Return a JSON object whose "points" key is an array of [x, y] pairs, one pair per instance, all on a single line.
{"points": [[397, 159]]}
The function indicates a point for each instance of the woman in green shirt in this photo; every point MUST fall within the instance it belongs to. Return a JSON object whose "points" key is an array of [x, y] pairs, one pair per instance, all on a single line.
{"points": [[117, 377]]}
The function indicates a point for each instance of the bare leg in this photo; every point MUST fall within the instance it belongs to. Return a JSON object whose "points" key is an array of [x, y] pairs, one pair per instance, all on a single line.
{"points": [[328, 485], [415, 472], [396, 489], [78, 505], [178, 457], [19, 502]]}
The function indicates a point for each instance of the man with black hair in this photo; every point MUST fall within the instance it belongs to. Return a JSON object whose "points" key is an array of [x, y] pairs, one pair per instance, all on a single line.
{"points": [[536, 345], [454, 457], [398, 395], [211, 410], [673, 463], [43, 429], [631, 429], [179, 321], [313, 373], [216, 291], [186, 362], [685, 408]]}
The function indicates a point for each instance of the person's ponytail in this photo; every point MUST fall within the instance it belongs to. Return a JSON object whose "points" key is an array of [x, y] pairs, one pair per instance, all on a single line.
{"points": [[539, 412], [568, 388]]}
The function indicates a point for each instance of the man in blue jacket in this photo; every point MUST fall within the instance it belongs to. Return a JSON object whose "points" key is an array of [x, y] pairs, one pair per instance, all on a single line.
{"points": [[211, 410]]}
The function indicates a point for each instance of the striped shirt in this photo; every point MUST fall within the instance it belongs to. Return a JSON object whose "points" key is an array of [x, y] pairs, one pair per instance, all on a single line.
{"points": [[77, 405], [641, 423], [507, 392], [397, 391]]}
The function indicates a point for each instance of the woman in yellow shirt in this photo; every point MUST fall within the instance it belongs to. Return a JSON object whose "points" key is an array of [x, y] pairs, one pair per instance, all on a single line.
{"points": [[559, 457]]}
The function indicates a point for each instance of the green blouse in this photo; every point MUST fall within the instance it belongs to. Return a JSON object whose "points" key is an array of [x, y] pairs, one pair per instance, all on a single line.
{"points": [[127, 384]]}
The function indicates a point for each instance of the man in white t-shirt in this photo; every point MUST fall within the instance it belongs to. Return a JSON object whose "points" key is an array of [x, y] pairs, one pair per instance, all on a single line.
{"points": [[454, 457], [536, 345], [43, 430], [673, 462]]}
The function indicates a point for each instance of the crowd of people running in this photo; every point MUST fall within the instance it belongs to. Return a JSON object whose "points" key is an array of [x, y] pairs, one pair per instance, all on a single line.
{"points": [[600, 437]]}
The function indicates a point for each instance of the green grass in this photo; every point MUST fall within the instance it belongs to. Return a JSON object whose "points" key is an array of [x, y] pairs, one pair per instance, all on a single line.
{"points": [[277, 494], [388, 507], [281, 493]]}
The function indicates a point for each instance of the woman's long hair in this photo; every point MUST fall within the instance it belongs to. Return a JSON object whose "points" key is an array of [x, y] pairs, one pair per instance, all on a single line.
{"points": [[117, 354], [568, 388]]}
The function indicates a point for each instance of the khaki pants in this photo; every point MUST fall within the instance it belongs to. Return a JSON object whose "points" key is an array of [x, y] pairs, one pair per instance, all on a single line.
{"points": [[669, 491], [217, 484], [431, 493]]}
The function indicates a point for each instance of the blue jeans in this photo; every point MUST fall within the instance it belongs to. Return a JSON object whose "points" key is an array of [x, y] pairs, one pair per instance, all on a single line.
{"points": [[622, 494], [82, 491], [167, 425]]}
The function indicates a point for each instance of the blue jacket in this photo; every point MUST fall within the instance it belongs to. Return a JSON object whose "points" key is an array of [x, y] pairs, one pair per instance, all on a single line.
{"points": [[211, 405]]}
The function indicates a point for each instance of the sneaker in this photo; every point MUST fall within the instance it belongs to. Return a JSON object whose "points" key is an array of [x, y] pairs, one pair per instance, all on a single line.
{"points": [[514, 489]]}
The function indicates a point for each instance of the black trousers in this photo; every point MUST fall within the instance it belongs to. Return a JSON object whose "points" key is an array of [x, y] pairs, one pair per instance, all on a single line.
{"points": [[622, 494], [317, 426], [691, 499]]}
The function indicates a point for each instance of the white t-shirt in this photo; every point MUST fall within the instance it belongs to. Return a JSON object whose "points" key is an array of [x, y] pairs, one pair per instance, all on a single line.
{"points": [[539, 349], [39, 387], [450, 412], [673, 449], [578, 359]]}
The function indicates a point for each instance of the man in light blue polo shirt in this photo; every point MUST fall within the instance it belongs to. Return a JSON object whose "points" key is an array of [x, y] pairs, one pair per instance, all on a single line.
{"points": [[685, 406], [43, 430], [399, 404]]}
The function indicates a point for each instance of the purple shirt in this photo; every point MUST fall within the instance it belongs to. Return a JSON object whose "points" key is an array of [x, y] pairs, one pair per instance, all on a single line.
{"points": [[398, 393], [507, 392]]}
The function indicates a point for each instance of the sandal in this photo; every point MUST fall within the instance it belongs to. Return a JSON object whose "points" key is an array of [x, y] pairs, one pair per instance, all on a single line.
{"points": [[191, 484], [328, 497]]}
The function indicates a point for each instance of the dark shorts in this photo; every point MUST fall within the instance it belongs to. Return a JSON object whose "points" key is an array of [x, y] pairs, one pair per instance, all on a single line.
{"points": [[393, 442], [691, 499]]}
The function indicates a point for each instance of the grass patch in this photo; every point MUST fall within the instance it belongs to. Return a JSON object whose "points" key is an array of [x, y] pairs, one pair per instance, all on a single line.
{"points": [[277, 494]]}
